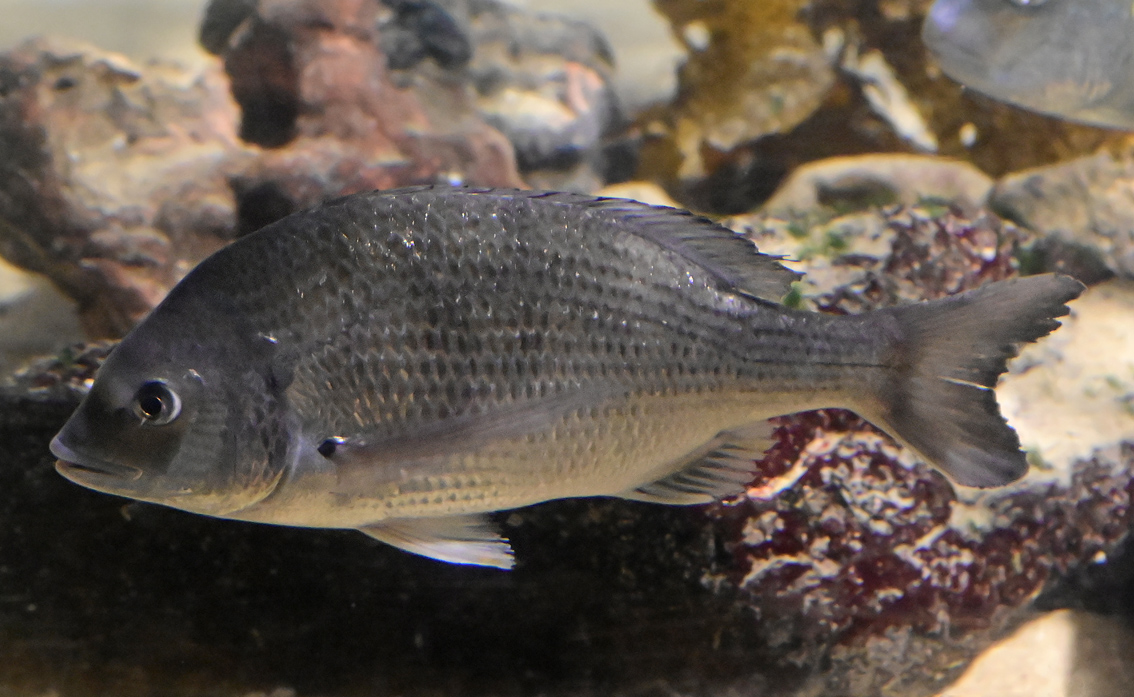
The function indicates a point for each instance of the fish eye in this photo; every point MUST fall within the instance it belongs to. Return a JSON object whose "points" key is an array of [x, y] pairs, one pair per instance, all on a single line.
{"points": [[156, 404]]}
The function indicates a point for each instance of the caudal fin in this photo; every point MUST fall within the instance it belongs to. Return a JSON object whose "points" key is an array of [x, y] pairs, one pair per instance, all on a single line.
{"points": [[949, 354]]}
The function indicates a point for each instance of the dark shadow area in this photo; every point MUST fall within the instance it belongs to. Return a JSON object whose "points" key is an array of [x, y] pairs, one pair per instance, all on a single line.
{"points": [[1106, 587], [1102, 660], [740, 180], [104, 596], [265, 85], [259, 204]]}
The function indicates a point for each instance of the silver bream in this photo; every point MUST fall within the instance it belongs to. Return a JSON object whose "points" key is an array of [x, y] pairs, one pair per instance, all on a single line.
{"points": [[404, 362], [1068, 58]]}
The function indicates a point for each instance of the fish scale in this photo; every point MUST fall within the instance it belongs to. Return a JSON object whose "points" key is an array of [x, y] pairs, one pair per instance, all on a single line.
{"points": [[541, 312], [405, 362]]}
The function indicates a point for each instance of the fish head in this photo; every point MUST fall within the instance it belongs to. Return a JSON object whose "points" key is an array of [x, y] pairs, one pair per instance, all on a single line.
{"points": [[1054, 56], [180, 420]]}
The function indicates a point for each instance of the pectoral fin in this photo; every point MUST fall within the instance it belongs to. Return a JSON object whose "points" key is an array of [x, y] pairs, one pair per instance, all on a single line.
{"points": [[359, 455], [721, 468], [460, 539]]}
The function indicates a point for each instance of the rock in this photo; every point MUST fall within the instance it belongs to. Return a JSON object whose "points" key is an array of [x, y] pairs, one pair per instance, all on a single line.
{"points": [[647, 54], [546, 82], [1060, 654], [879, 179], [422, 29], [119, 178], [35, 318], [115, 177], [753, 69], [221, 20], [889, 575], [1085, 204], [646, 192], [542, 79], [313, 170], [303, 70], [943, 569], [879, 257], [878, 91], [913, 577], [888, 97], [1095, 381], [415, 66]]}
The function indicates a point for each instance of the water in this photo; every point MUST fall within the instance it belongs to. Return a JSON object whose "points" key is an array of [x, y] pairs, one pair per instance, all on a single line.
{"points": [[768, 595]]}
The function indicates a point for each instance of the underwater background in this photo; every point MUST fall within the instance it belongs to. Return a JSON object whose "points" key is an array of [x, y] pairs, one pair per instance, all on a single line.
{"points": [[822, 130]]}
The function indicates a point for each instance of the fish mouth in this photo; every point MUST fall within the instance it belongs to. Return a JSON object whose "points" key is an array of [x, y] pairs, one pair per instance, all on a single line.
{"points": [[89, 471]]}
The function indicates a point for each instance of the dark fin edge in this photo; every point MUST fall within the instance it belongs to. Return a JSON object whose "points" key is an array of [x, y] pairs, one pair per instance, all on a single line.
{"points": [[949, 354]]}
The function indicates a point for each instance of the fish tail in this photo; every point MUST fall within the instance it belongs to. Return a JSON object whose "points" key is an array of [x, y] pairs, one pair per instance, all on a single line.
{"points": [[946, 358]]}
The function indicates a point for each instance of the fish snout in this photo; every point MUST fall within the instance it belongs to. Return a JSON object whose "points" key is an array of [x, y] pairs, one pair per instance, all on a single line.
{"points": [[89, 471]]}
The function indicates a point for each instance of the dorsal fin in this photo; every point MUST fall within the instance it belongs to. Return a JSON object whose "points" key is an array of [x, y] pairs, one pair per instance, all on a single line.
{"points": [[730, 258]]}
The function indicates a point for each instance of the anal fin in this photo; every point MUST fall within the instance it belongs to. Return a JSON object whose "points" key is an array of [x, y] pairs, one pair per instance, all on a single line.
{"points": [[723, 467], [459, 539]]}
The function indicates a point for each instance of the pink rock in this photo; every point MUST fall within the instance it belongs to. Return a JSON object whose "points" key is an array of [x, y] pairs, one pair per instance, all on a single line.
{"points": [[119, 179]]}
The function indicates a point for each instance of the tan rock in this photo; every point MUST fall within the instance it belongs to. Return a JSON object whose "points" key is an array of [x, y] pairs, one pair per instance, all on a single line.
{"points": [[1060, 654], [1063, 414], [1087, 201], [880, 178], [761, 71], [646, 192]]}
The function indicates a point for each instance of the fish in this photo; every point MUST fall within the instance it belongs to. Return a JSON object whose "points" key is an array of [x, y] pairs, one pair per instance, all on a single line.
{"points": [[1073, 59], [407, 362]]}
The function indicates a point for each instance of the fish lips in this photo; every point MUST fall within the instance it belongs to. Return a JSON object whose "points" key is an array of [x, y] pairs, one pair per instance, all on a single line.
{"points": [[88, 471]]}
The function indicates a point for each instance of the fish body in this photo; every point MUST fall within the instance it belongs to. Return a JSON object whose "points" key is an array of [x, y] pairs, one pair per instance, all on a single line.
{"points": [[404, 362], [1068, 58]]}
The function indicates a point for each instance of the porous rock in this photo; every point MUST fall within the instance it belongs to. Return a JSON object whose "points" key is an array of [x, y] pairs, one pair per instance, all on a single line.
{"points": [[542, 80], [847, 537], [875, 257]]}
